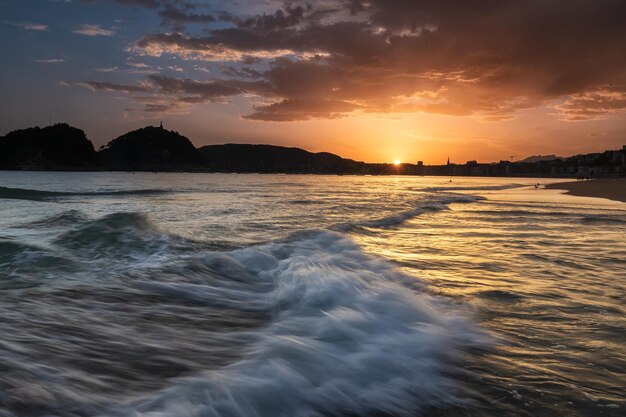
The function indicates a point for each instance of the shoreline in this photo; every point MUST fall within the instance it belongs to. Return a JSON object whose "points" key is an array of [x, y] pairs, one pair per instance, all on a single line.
{"points": [[609, 188]]}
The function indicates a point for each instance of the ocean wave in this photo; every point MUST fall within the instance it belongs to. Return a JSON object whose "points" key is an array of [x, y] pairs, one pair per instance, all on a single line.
{"points": [[66, 218], [536, 212], [24, 265], [125, 235], [346, 338], [434, 203], [501, 295], [603, 219], [80, 244], [318, 327], [304, 202], [472, 188], [41, 195]]}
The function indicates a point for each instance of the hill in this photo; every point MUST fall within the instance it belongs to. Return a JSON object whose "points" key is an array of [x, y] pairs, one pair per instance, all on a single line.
{"points": [[268, 158], [150, 148], [539, 158], [62, 147], [57, 147]]}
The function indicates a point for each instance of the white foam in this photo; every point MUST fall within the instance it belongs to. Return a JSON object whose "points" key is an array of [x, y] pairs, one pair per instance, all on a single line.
{"points": [[472, 187], [347, 337]]}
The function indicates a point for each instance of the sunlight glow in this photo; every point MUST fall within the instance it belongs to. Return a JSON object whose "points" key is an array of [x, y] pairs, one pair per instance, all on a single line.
{"points": [[397, 162]]}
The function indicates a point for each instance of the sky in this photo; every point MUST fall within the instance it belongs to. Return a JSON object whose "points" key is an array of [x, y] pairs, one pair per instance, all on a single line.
{"points": [[372, 80]]}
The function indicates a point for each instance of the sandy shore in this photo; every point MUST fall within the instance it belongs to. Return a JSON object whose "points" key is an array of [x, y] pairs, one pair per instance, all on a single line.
{"points": [[611, 188]]}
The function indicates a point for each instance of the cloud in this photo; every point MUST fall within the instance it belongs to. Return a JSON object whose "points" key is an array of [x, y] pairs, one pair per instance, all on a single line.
{"points": [[50, 61], [37, 27], [150, 4], [93, 30], [172, 14], [178, 92], [201, 49], [109, 86], [593, 105], [107, 69], [488, 59], [195, 91], [302, 109], [140, 65], [288, 17]]}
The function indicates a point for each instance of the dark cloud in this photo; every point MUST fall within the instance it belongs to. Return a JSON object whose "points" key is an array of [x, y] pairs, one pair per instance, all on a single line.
{"points": [[488, 58], [290, 16], [108, 86], [151, 4], [158, 108], [594, 105], [172, 14], [302, 109], [243, 72], [204, 90]]}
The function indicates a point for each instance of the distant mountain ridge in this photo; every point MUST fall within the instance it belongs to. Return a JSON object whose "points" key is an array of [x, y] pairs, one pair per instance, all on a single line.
{"points": [[234, 157], [540, 158], [63, 147]]}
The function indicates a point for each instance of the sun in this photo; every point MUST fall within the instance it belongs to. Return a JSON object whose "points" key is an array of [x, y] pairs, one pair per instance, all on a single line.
{"points": [[397, 162]]}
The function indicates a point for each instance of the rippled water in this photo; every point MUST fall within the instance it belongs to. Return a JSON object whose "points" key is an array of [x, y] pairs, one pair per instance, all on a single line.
{"points": [[273, 295]]}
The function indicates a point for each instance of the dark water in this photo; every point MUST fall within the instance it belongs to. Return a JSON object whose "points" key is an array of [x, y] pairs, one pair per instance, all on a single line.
{"points": [[244, 295]]}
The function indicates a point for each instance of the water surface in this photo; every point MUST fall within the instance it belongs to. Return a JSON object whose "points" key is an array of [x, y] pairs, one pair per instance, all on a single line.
{"points": [[272, 295]]}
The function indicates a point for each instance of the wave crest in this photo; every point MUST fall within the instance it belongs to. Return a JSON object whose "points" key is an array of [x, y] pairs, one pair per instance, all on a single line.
{"points": [[318, 327], [118, 234], [435, 203], [472, 188], [347, 338], [40, 195]]}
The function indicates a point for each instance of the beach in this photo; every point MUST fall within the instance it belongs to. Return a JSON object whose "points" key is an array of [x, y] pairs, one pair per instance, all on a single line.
{"points": [[609, 188]]}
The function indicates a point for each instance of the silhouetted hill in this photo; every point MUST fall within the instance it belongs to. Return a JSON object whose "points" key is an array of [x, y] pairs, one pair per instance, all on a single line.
{"points": [[55, 147], [150, 148], [539, 158], [62, 147], [268, 158]]}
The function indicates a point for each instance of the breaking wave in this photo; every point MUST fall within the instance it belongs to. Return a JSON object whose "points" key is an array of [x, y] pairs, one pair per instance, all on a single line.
{"points": [[472, 188], [40, 195], [310, 325], [434, 203]]}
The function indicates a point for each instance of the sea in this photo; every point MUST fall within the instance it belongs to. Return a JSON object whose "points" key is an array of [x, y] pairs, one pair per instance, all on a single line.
{"points": [[225, 295]]}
